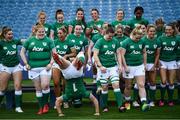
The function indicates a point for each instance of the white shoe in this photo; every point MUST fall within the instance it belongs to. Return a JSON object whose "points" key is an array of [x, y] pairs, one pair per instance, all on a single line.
{"points": [[19, 110], [135, 104], [151, 104], [66, 105]]}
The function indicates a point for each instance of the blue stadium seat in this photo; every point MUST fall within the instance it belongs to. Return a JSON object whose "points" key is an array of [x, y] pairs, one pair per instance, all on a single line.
{"points": [[14, 11]]}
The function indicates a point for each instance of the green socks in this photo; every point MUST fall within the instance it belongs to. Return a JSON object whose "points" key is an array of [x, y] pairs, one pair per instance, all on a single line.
{"points": [[118, 96]]}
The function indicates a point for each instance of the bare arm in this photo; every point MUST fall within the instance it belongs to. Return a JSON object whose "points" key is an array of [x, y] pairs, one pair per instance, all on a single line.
{"points": [[123, 51], [96, 58], [23, 57], [91, 44], [156, 62], [49, 66], [119, 57], [88, 32], [52, 35], [97, 61], [70, 29], [144, 56]]}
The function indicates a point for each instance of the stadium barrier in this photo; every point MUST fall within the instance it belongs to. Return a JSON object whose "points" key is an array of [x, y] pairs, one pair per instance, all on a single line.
{"points": [[27, 89]]}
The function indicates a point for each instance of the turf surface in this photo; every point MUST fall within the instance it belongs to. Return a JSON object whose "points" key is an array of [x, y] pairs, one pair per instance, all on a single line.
{"points": [[86, 112]]}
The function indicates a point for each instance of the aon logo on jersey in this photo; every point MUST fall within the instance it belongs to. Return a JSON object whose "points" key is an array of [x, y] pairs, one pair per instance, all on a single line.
{"points": [[135, 52], [168, 48], [11, 53], [37, 49], [61, 52], [108, 52], [150, 52]]}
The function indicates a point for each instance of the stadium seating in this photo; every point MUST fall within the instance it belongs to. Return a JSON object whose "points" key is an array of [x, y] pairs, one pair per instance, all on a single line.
{"points": [[22, 14]]}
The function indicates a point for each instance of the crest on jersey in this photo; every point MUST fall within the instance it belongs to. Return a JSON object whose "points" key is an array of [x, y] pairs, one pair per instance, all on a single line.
{"points": [[73, 40], [147, 46], [57, 46], [131, 46], [164, 43], [105, 46], [81, 42], [32, 43], [14, 46], [46, 29], [44, 44], [140, 46], [155, 46], [173, 43], [65, 46], [5, 48], [113, 45]]}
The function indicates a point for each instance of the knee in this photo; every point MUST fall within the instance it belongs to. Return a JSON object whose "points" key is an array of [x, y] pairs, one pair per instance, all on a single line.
{"points": [[45, 87], [141, 85], [105, 88], [115, 85], [58, 101], [17, 87]]}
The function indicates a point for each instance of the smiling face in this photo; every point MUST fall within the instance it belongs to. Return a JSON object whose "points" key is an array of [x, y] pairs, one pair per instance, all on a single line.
{"points": [[40, 34], [42, 19], [61, 35], [137, 37], [138, 14], [95, 15], [120, 15], [60, 18], [119, 31], [109, 36], [169, 31], [80, 15], [78, 30], [151, 32], [9, 35]]}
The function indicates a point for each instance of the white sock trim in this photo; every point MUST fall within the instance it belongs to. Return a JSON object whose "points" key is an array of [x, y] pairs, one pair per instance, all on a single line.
{"points": [[163, 86], [46, 91], [39, 94], [127, 98], [117, 90], [171, 87], [153, 87], [104, 92], [18, 92], [143, 99]]}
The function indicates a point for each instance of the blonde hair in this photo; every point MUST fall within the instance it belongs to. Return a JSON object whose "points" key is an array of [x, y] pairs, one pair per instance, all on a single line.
{"points": [[159, 21], [136, 30], [119, 27], [151, 26], [36, 28], [64, 29], [41, 13]]}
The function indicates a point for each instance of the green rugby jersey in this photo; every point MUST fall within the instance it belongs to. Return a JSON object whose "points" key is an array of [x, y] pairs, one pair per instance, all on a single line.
{"points": [[9, 52], [107, 51], [39, 51]]}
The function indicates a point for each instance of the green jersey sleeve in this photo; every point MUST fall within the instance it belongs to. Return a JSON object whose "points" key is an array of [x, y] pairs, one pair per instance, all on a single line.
{"points": [[97, 45], [26, 43]]}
